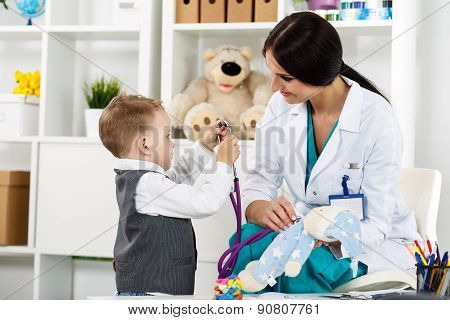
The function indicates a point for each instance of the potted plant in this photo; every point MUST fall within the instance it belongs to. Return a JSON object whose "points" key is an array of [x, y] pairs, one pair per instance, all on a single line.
{"points": [[98, 94], [316, 4]]}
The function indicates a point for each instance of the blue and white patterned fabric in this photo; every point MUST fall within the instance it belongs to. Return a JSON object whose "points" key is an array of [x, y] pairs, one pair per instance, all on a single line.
{"points": [[291, 248]]}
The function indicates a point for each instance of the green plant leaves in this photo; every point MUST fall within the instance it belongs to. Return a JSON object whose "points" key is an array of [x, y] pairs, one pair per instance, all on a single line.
{"points": [[99, 93]]}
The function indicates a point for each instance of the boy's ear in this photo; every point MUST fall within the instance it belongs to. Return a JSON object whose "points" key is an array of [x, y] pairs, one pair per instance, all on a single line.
{"points": [[143, 145]]}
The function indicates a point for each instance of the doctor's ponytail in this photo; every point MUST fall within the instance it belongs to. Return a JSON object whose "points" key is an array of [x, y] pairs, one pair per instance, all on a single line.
{"points": [[354, 75], [309, 48]]}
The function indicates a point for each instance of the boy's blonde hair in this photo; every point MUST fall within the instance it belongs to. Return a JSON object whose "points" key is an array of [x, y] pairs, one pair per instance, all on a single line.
{"points": [[122, 119]]}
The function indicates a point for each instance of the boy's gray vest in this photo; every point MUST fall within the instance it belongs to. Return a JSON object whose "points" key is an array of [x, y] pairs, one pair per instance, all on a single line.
{"points": [[152, 253]]}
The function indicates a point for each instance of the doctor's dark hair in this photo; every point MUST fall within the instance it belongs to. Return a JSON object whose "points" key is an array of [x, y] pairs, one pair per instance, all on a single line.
{"points": [[309, 48]]}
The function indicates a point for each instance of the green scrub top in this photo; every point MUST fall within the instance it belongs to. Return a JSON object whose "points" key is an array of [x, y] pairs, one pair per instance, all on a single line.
{"points": [[311, 144]]}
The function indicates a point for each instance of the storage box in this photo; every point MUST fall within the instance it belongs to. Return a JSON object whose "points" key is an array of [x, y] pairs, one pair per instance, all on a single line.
{"points": [[14, 195], [126, 13], [212, 11], [19, 115], [187, 11], [240, 11], [266, 10]]}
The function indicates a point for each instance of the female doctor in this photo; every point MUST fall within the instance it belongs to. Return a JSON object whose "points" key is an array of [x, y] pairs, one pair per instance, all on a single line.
{"points": [[326, 121]]}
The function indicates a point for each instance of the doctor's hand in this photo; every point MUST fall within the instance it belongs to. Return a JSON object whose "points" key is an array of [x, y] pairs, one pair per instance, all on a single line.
{"points": [[278, 214]]}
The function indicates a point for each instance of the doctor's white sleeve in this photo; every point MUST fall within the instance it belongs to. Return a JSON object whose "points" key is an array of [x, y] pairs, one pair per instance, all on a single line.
{"points": [[158, 195], [264, 175], [190, 165], [381, 182]]}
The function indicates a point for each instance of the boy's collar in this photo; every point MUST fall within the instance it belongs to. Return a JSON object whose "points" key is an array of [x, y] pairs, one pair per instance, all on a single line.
{"points": [[133, 164]]}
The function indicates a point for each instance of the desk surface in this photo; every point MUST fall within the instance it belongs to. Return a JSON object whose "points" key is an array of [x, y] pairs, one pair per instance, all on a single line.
{"points": [[380, 294], [264, 296]]}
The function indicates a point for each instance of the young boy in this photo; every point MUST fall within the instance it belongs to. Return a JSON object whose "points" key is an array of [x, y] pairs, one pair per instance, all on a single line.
{"points": [[155, 245]]}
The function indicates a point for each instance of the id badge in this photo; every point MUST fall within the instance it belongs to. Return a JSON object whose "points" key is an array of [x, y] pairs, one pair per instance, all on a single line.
{"points": [[353, 202]]}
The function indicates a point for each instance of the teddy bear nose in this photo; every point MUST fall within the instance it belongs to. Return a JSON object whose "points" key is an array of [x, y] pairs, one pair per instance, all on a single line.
{"points": [[231, 69]]}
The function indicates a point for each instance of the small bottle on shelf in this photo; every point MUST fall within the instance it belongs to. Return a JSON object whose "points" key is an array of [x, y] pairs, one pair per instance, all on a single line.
{"points": [[332, 15]]}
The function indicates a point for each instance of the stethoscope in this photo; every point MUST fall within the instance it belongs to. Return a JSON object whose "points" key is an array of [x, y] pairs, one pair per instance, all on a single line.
{"points": [[228, 259], [226, 124]]}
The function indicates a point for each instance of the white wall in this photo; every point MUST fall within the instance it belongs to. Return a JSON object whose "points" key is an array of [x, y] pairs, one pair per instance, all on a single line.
{"points": [[432, 108]]}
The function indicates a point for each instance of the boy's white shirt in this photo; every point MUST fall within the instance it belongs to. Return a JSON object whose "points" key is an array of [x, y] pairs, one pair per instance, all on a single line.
{"points": [[171, 193]]}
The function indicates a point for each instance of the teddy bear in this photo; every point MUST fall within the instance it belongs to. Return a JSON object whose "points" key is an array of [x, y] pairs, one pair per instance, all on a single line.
{"points": [[228, 90], [291, 248]]}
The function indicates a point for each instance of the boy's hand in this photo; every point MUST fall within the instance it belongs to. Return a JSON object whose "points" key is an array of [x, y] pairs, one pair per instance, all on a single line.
{"points": [[209, 140], [229, 150]]}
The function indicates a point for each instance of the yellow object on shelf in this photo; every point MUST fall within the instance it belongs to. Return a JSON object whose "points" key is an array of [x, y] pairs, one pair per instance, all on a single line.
{"points": [[28, 83]]}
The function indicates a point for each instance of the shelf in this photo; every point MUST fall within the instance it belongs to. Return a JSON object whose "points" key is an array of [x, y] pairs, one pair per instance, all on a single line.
{"points": [[70, 32], [94, 32], [76, 140], [226, 29], [16, 250], [362, 24], [26, 139], [74, 253], [20, 33], [263, 28], [56, 139]]}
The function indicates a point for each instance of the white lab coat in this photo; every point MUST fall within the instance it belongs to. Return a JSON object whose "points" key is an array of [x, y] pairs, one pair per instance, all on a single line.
{"points": [[367, 134]]}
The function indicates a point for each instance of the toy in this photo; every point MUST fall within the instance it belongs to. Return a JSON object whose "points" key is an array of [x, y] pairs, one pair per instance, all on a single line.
{"points": [[291, 248], [228, 90], [228, 289], [31, 8]]}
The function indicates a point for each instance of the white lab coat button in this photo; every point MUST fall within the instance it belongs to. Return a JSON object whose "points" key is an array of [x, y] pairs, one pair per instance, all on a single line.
{"points": [[314, 193]]}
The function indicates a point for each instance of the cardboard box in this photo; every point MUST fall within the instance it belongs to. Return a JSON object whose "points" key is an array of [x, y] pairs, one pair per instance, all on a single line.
{"points": [[14, 195], [187, 11], [266, 10], [212, 11], [240, 11]]}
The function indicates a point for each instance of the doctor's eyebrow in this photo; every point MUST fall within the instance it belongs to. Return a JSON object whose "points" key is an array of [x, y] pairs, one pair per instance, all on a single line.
{"points": [[284, 75]]}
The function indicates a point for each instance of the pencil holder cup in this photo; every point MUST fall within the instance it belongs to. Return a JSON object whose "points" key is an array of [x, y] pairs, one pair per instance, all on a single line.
{"points": [[434, 280]]}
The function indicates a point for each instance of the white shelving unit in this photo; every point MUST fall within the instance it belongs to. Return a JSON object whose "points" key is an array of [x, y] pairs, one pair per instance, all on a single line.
{"points": [[69, 44], [72, 193], [183, 44]]}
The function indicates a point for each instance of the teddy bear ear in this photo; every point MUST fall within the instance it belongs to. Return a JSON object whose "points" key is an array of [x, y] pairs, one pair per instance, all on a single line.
{"points": [[246, 53], [209, 54]]}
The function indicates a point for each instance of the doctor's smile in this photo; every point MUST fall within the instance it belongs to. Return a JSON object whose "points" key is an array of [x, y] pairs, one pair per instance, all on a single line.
{"points": [[286, 94]]}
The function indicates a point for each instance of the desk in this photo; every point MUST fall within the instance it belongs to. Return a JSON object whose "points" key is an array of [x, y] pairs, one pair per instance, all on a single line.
{"points": [[378, 295], [264, 296]]}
